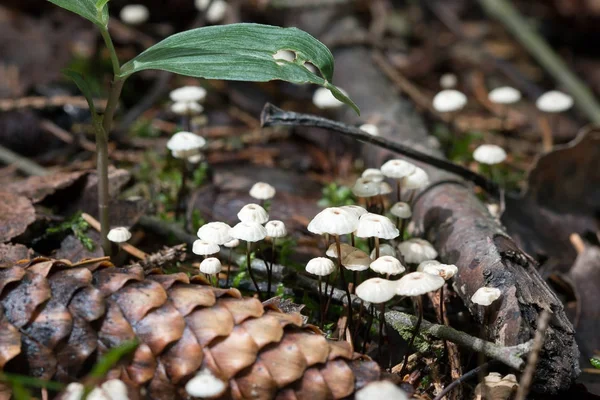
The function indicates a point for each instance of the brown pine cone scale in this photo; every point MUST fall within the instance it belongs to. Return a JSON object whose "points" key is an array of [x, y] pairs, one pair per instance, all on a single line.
{"points": [[58, 318]]}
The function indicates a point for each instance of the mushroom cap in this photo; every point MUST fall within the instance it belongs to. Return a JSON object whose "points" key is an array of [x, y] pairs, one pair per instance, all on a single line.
{"points": [[485, 296], [449, 100], [211, 266], [381, 390], [324, 99], [373, 174], [248, 231], [489, 154], [134, 14], [416, 180], [345, 249], [371, 129], [119, 235], [366, 187], [334, 221], [354, 209], [253, 213], [186, 144], [385, 188], [275, 229], [554, 102], [418, 283], [217, 11], [320, 266], [188, 94], [262, 191], [232, 243], [375, 225], [397, 169], [446, 271], [415, 251], [358, 261], [376, 290], [448, 81], [205, 385], [387, 265], [204, 248], [215, 233], [384, 250], [186, 107], [401, 210], [504, 95]]}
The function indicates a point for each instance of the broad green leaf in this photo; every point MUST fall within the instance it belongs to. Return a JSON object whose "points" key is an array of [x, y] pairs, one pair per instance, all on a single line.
{"points": [[83, 86], [243, 52], [87, 9]]}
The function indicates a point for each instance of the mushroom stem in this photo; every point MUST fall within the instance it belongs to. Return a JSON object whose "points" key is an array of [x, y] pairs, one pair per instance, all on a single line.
{"points": [[182, 189], [398, 190], [376, 247], [352, 240], [402, 229], [248, 248], [344, 284], [367, 329], [442, 322], [412, 339], [270, 268], [321, 302], [228, 268], [380, 338]]}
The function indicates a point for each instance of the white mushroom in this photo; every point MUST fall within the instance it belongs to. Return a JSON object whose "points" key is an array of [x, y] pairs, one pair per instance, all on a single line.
{"points": [[448, 81], [345, 248], [334, 221], [320, 266], [378, 227], [416, 180], [134, 14], [248, 231], [504, 95], [324, 99], [446, 271], [215, 232], [489, 154], [376, 290], [275, 229], [232, 244], [382, 390], [356, 210], [449, 100], [554, 102], [186, 108], [357, 261], [186, 94], [371, 129], [205, 385], [384, 250], [418, 283], [210, 266], [203, 248], [387, 265], [373, 174], [262, 191], [217, 11], [401, 210], [253, 213], [397, 169], [119, 235], [485, 296], [185, 144], [366, 187], [415, 251]]}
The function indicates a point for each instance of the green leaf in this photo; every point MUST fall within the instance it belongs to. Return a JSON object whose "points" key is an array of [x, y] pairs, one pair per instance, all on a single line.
{"points": [[97, 12], [595, 361], [242, 52], [83, 86]]}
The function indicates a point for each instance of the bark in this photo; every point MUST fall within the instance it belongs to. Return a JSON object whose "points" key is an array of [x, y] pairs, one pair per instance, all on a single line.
{"points": [[450, 215]]}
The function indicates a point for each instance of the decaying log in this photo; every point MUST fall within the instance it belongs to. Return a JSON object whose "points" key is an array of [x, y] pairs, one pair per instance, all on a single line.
{"points": [[58, 318], [449, 215]]}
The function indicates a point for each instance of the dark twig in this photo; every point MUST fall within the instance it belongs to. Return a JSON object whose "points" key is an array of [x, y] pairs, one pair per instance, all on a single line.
{"points": [[272, 116], [465, 377]]}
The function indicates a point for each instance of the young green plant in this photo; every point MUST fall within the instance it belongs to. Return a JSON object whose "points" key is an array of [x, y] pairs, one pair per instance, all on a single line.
{"points": [[242, 52]]}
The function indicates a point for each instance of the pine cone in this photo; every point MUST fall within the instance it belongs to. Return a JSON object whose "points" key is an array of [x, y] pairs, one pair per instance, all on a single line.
{"points": [[58, 318]]}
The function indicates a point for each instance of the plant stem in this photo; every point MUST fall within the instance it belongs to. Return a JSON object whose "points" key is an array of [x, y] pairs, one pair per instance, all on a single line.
{"points": [[248, 248], [181, 193], [376, 247], [380, 338], [414, 335], [344, 284], [270, 268], [321, 302]]}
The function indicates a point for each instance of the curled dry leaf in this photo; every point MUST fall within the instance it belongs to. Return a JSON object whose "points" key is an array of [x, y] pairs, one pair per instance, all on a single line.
{"points": [[16, 214], [59, 317], [562, 198], [37, 188]]}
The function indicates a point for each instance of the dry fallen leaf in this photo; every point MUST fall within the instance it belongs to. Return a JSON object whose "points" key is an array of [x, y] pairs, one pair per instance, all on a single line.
{"points": [[37, 188], [16, 214]]}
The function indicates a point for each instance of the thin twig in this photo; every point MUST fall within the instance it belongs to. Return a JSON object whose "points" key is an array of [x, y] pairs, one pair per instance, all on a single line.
{"points": [[159, 259], [24, 164], [39, 102], [129, 248], [272, 116], [465, 377], [534, 354]]}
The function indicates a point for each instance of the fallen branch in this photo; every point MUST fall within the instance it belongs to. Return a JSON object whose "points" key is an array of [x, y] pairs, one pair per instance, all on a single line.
{"points": [[162, 257]]}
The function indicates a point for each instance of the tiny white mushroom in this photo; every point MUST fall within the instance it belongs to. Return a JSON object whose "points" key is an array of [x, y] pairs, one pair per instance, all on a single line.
{"points": [[232, 244], [373, 174], [416, 180], [203, 248], [248, 231], [205, 385], [366, 187], [262, 191], [217, 11], [554, 102], [485, 296], [187, 94], [504, 95], [415, 251], [215, 233], [119, 235], [401, 210], [375, 225], [384, 250], [185, 144], [210, 266], [489, 154], [74, 391], [324, 99], [320, 266], [345, 248], [371, 129], [134, 14], [376, 290], [186, 108], [418, 283], [334, 221], [384, 188], [448, 81], [446, 271], [387, 265], [382, 390], [397, 169], [354, 209], [275, 229], [115, 389], [449, 100], [253, 213], [357, 261]]}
